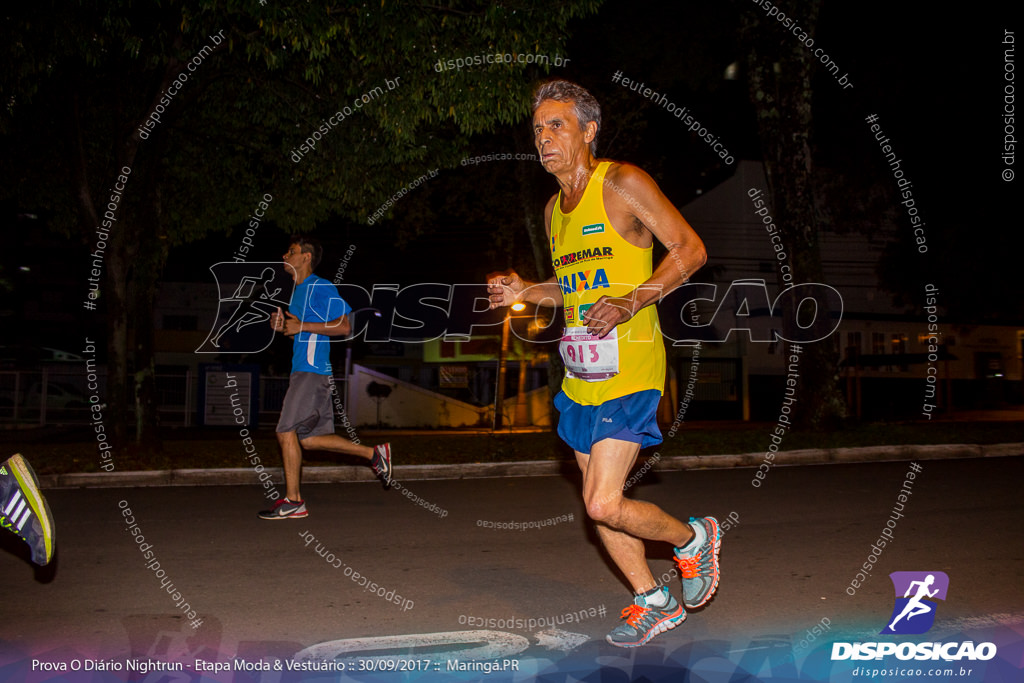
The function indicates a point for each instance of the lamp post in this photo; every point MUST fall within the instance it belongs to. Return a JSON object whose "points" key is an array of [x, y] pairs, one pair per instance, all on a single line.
{"points": [[499, 394], [522, 418]]}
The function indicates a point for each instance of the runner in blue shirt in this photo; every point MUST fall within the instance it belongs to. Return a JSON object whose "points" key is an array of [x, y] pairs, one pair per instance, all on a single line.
{"points": [[315, 313]]}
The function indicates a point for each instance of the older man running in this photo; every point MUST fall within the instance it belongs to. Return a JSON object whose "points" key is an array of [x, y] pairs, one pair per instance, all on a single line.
{"points": [[602, 225]]}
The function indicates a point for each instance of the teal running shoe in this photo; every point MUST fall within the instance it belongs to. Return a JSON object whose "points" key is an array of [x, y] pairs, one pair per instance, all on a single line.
{"points": [[643, 622], [698, 565]]}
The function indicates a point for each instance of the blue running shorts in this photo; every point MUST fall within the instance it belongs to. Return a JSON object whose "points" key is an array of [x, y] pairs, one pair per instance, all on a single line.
{"points": [[629, 418]]}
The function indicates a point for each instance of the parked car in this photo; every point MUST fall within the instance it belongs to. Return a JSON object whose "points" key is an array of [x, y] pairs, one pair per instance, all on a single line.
{"points": [[62, 400]]}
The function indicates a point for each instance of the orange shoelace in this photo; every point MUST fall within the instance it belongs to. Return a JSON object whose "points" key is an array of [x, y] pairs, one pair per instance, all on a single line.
{"points": [[688, 566], [634, 613]]}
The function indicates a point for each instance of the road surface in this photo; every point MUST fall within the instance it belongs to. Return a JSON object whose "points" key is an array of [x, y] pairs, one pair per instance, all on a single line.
{"points": [[381, 579]]}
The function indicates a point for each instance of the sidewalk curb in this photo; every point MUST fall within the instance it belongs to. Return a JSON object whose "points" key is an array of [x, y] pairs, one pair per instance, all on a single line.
{"points": [[834, 456], [532, 468]]}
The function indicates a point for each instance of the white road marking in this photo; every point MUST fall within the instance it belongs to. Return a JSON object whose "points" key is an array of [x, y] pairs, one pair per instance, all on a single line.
{"points": [[557, 639]]}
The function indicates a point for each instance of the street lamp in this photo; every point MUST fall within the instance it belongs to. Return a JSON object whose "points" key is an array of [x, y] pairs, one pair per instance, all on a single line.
{"points": [[499, 395]]}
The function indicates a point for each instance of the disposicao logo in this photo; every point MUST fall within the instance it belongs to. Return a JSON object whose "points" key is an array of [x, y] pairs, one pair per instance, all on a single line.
{"points": [[914, 613], [916, 593]]}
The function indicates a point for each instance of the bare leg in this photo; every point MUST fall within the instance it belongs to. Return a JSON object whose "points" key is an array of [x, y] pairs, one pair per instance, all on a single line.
{"points": [[291, 458], [336, 444], [623, 524]]}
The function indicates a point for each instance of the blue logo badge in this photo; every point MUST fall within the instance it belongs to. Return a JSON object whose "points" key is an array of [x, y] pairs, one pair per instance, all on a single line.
{"points": [[916, 593]]}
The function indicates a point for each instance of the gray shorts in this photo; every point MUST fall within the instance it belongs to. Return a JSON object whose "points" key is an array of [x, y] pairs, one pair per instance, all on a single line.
{"points": [[307, 409]]}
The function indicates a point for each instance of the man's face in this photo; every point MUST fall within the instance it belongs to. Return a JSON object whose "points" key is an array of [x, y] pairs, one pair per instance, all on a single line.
{"points": [[296, 259], [557, 136]]}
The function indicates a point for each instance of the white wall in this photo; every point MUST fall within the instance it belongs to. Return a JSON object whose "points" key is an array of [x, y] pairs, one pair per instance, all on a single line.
{"points": [[409, 405]]}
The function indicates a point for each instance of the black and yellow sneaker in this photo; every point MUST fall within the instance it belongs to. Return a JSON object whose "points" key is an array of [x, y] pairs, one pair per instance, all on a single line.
{"points": [[23, 509]]}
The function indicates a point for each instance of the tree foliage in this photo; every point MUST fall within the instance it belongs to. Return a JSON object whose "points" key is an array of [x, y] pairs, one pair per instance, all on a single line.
{"points": [[238, 87]]}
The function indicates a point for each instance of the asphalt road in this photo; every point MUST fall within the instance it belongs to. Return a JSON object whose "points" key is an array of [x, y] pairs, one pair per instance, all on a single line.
{"points": [[546, 596]]}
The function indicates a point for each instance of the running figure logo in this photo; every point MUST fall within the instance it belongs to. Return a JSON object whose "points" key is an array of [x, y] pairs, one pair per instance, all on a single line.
{"points": [[915, 611], [248, 294]]}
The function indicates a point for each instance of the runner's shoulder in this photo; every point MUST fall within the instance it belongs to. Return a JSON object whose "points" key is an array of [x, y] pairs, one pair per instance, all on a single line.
{"points": [[629, 193], [626, 175]]}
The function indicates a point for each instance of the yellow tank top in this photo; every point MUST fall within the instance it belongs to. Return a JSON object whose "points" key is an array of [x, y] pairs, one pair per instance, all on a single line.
{"points": [[592, 260]]}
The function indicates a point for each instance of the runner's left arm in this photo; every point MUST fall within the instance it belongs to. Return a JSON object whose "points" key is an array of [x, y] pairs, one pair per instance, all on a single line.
{"points": [[642, 199]]}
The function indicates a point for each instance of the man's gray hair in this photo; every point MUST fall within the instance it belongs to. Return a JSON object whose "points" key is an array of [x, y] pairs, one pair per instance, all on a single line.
{"points": [[585, 106]]}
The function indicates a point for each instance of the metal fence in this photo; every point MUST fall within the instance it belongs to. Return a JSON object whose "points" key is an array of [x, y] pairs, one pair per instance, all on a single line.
{"points": [[62, 396]]}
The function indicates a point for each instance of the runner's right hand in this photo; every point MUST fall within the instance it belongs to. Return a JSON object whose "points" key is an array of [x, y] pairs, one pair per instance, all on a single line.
{"points": [[504, 289]]}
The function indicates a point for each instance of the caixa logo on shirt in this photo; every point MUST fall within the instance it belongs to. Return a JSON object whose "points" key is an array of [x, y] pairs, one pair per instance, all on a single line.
{"points": [[916, 594], [249, 293], [584, 280]]}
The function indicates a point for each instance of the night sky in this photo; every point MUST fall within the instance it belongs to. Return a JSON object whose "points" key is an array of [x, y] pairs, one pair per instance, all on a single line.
{"points": [[934, 80]]}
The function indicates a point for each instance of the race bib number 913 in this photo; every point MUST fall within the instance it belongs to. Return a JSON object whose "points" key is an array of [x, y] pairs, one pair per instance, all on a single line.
{"points": [[588, 357]]}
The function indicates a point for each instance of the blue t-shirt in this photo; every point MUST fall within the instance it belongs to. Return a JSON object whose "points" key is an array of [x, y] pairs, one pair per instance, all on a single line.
{"points": [[315, 300]]}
